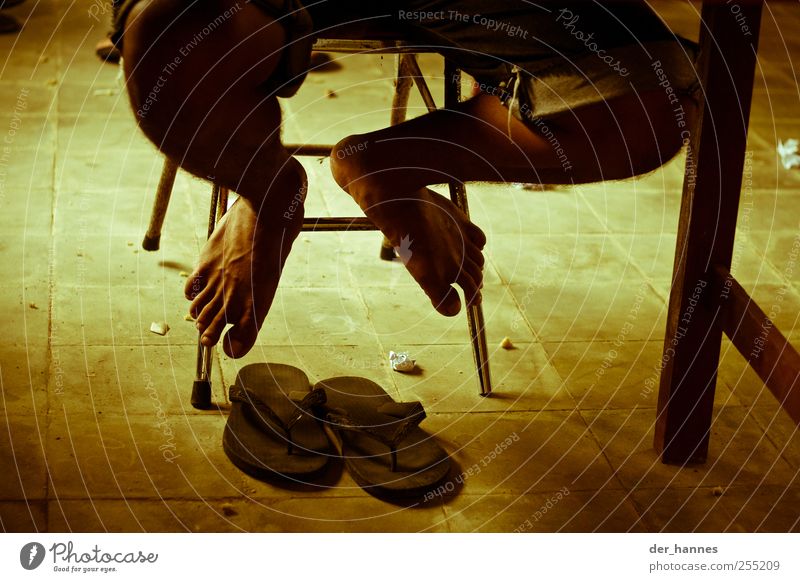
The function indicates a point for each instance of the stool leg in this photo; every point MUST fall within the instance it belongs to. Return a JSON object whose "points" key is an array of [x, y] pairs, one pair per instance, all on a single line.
{"points": [[201, 388], [152, 237], [458, 194]]}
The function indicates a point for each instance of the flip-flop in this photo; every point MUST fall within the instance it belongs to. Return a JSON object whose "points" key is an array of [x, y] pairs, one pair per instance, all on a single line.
{"points": [[379, 439], [271, 430]]}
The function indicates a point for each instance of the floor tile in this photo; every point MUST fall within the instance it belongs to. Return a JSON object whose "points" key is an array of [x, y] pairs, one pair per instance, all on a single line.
{"points": [[346, 515], [22, 461], [25, 212], [593, 312], [518, 453], [739, 454], [677, 509], [23, 380], [23, 516], [606, 510], [111, 456], [614, 375], [523, 380], [573, 260], [769, 508], [26, 315], [500, 209], [120, 315], [143, 380]]}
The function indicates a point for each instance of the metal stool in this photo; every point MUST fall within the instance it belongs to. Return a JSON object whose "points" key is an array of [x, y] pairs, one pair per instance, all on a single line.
{"points": [[408, 73]]}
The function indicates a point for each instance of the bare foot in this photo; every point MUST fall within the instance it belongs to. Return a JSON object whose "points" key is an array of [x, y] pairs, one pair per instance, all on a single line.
{"points": [[238, 273], [435, 240]]}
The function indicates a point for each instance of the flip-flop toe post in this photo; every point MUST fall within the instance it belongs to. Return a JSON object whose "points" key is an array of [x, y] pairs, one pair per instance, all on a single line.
{"points": [[272, 430], [380, 440]]}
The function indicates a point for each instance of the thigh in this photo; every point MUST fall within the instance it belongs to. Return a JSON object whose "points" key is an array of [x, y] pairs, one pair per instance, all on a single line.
{"points": [[195, 75], [479, 141]]}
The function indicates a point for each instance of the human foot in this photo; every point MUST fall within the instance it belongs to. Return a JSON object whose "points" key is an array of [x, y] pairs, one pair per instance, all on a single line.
{"points": [[435, 240], [238, 273]]}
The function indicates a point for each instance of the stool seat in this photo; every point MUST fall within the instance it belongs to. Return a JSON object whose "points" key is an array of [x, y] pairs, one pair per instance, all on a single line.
{"points": [[367, 38]]}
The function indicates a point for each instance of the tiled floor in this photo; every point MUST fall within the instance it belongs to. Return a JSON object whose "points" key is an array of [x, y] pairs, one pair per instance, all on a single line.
{"points": [[97, 431]]}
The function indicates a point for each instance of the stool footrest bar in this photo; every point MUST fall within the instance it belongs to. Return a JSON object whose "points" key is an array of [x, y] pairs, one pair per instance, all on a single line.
{"points": [[343, 223]]}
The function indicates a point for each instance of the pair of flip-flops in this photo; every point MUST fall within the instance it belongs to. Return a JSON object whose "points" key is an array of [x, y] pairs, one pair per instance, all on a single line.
{"points": [[280, 426]]}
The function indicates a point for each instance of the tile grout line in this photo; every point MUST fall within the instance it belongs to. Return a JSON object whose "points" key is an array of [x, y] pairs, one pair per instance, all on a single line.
{"points": [[54, 109]]}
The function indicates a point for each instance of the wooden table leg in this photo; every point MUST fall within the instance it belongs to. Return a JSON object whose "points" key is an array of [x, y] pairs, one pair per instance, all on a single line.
{"points": [[706, 231]]}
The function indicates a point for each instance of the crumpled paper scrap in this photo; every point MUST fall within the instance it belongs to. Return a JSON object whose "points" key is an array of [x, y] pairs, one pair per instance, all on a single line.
{"points": [[788, 152], [402, 362]]}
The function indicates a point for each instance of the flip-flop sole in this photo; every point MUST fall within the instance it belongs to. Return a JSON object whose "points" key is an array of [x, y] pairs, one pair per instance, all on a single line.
{"points": [[421, 462], [261, 452]]}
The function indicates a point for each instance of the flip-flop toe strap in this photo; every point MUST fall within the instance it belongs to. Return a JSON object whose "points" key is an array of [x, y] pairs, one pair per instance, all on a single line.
{"points": [[391, 434], [303, 401]]}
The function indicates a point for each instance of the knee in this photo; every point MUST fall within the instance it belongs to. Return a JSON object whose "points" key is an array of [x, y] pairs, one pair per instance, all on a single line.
{"points": [[185, 67], [150, 86]]}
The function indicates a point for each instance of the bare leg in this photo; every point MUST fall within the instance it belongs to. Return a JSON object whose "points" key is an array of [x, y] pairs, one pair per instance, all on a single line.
{"points": [[386, 172], [201, 102], [199, 99]]}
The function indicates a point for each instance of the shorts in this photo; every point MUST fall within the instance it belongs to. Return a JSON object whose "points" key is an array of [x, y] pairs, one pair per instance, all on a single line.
{"points": [[544, 59], [540, 60]]}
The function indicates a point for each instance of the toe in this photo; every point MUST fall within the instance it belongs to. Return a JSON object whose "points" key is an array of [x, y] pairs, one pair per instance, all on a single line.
{"points": [[214, 329], [474, 271], [209, 313], [200, 302], [241, 338], [477, 258], [446, 301], [195, 284], [471, 287], [477, 236]]}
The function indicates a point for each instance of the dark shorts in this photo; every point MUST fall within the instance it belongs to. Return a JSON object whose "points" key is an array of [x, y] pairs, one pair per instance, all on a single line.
{"points": [[540, 60]]}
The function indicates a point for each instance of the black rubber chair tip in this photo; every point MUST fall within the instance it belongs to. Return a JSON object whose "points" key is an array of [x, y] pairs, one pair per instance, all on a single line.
{"points": [[201, 394], [151, 243], [387, 253]]}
